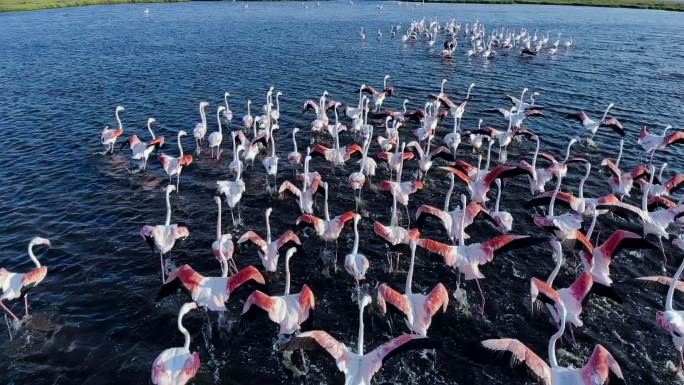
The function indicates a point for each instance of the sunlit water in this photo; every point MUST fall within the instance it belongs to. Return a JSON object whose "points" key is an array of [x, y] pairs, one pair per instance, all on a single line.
{"points": [[95, 321]]}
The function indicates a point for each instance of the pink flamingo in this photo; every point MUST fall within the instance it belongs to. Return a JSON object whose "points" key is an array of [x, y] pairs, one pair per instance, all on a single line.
{"points": [[174, 166], [177, 366], [269, 249]]}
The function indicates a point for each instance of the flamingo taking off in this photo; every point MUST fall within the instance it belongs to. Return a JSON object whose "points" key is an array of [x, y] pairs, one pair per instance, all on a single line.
{"points": [[177, 366], [269, 249], [108, 136]]}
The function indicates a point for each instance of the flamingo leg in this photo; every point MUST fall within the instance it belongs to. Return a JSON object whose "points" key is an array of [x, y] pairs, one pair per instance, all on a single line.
{"points": [[662, 250], [482, 306], [161, 260], [9, 311], [178, 182], [26, 310]]}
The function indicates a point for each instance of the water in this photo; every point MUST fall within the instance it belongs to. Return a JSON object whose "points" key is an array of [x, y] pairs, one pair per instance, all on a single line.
{"points": [[65, 70]]}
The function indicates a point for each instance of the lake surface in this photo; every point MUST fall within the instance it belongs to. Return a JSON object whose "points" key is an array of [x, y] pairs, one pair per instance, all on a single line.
{"points": [[65, 70]]}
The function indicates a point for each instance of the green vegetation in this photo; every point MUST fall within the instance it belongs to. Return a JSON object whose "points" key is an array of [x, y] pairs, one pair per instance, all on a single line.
{"points": [[27, 5], [667, 5]]}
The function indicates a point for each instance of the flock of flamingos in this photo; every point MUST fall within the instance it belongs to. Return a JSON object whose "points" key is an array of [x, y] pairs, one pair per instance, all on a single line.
{"points": [[421, 140]]}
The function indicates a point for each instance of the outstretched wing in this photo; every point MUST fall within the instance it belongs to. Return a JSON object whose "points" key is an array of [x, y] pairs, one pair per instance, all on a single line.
{"points": [[521, 353], [318, 339], [600, 365], [252, 237], [401, 344]]}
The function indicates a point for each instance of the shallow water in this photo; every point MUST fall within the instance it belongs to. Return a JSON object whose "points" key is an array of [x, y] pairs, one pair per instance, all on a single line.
{"points": [[65, 70]]}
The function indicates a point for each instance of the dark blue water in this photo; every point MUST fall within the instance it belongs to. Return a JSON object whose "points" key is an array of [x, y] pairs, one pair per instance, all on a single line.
{"points": [[65, 70]]}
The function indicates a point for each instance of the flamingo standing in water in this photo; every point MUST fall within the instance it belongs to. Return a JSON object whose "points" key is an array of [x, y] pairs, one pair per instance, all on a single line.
{"points": [[248, 119], [227, 113], [17, 285], [269, 249], [418, 308], [294, 157], [223, 244], [177, 366], [595, 372], [502, 220], [355, 263], [287, 310], [174, 166], [200, 129], [394, 234], [402, 190], [457, 109], [141, 150], [163, 237], [108, 136], [216, 137], [233, 190], [359, 368], [672, 321], [467, 258], [270, 164]]}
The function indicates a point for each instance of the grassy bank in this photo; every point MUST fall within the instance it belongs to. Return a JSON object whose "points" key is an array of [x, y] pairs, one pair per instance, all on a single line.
{"points": [[641, 4], [28, 5]]}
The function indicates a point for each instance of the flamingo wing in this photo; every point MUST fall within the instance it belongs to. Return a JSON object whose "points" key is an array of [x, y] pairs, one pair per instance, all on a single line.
{"points": [[401, 344], [521, 353], [190, 367], [274, 306], [601, 365], [318, 338], [461, 175], [611, 167], [247, 273], [436, 299], [623, 239], [503, 243], [674, 138], [398, 300], [563, 199], [579, 116], [425, 210], [369, 90], [288, 236], [675, 183], [504, 171], [613, 123], [288, 186], [252, 237], [662, 282], [438, 248]]}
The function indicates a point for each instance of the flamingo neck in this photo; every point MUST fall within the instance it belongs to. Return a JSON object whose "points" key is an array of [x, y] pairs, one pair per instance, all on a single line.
{"points": [[235, 155], [360, 340], [149, 128], [461, 241], [617, 162], [554, 273], [447, 200], [287, 273], [605, 113], [268, 227], [118, 120], [218, 119], [498, 195], [180, 147], [468, 94], [583, 181], [593, 223], [534, 158], [409, 275], [168, 208], [555, 337], [522, 96], [218, 223], [553, 197], [671, 289], [489, 155], [184, 331], [203, 116], [394, 220], [327, 213], [294, 141], [644, 198], [249, 108], [33, 256], [567, 151], [356, 237]]}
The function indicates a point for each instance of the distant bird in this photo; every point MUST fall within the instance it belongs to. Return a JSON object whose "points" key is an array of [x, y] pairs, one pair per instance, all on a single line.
{"points": [[108, 136], [177, 366], [17, 285], [287, 310], [359, 368]]}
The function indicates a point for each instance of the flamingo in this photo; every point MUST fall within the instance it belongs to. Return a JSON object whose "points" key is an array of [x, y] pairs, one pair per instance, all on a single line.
{"points": [[394, 234], [521, 104], [271, 163], [595, 372], [479, 185], [357, 179], [396, 158], [451, 220], [269, 249], [368, 163], [424, 157], [359, 368], [216, 137], [227, 113], [236, 162], [456, 109], [233, 190], [356, 263], [305, 196], [17, 285], [248, 119], [503, 220], [399, 116], [651, 143], [379, 96], [174, 166], [355, 112], [622, 183], [294, 157], [164, 237], [418, 308], [141, 150], [108, 136], [223, 244], [337, 155], [287, 310], [467, 258], [177, 366], [275, 114], [201, 128], [326, 228], [402, 190], [208, 292], [593, 126], [598, 261], [670, 320], [320, 109]]}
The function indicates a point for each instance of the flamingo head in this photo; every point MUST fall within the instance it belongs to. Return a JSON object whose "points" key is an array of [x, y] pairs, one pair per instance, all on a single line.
{"points": [[221, 109], [204, 104], [151, 120], [120, 108], [40, 241], [185, 160], [226, 94], [279, 94], [365, 301], [182, 133], [170, 188], [182, 232], [217, 199], [295, 130], [268, 212]]}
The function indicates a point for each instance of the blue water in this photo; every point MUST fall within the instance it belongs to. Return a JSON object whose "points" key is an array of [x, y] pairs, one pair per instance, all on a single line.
{"points": [[65, 70]]}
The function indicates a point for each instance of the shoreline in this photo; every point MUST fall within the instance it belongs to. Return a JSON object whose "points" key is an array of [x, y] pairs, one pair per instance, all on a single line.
{"points": [[663, 5]]}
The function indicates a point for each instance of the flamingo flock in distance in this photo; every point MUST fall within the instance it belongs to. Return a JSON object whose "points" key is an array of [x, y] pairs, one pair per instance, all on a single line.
{"points": [[370, 152]]}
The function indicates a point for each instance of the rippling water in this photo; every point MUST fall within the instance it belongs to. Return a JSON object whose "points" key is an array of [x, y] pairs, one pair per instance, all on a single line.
{"points": [[64, 71]]}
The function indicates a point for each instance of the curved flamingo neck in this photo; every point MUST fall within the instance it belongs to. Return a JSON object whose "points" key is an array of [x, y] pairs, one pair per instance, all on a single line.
{"points": [[409, 275], [268, 226], [673, 283], [287, 273], [555, 337], [605, 113], [183, 330], [31, 255], [553, 197], [583, 181], [447, 200], [149, 128], [644, 198], [498, 195], [558, 253], [249, 108], [180, 147], [356, 236], [294, 140], [118, 119], [218, 222], [218, 119], [617, 162]]}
